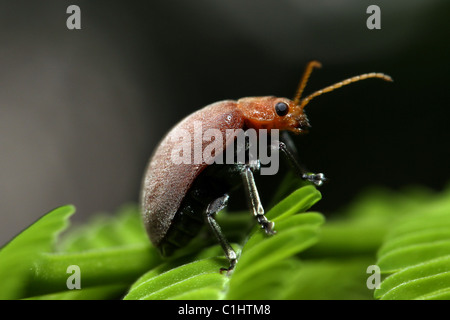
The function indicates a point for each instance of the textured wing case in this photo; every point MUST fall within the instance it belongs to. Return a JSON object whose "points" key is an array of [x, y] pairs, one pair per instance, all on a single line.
{"points": [[166, 183]]}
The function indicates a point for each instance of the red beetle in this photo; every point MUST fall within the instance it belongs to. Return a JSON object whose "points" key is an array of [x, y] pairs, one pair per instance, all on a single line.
{"points": [[177, 198]]}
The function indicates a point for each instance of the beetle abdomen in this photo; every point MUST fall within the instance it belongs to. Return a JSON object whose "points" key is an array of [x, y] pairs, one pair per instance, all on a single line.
{"points": [[212, 183], [186, 224], [165, 183]]}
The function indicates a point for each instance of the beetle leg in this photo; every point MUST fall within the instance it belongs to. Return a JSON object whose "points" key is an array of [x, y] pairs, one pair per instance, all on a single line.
{"points": [[254, 201], [214, 207], [289, 151]]}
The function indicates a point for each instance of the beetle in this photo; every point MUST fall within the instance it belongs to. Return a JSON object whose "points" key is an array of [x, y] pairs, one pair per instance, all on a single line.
{"points": [[178, 198]]}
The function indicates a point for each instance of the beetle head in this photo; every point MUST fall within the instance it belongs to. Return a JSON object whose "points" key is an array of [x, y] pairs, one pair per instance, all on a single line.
{"points": [[273, 113], [284, 114]]}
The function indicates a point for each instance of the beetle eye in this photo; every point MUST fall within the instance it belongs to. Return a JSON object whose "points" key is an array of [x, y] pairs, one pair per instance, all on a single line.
{"points": [[281, 108]]}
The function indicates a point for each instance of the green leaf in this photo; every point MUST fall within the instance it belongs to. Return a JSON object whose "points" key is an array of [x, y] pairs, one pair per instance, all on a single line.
{"points": [[298, 201], [416, 254], [415, 238], [260, 254], [293, 236], [99, 267], [422, 288], [268, 284], [410, 231], [329, 279], [19, 255], [414, 281], [407, 256], [198, 278], [111, 252], [349, 237], [103, 231], [102, 292]]}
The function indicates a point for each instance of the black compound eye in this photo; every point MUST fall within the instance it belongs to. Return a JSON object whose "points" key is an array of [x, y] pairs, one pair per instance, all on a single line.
{"points": [[281, 108]]}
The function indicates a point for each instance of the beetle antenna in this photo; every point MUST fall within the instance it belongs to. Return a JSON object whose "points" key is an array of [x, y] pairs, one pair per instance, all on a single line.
{"points": [[345, 82], [304, 80]]}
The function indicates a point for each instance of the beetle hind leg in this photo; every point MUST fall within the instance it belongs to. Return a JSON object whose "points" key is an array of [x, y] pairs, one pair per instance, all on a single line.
{"points": [[214, 207], [255, 202]]}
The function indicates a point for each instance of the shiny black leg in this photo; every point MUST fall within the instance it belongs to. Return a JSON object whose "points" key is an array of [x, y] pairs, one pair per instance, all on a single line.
{"points": [[214, 207], [288, 149], [254, 200]]}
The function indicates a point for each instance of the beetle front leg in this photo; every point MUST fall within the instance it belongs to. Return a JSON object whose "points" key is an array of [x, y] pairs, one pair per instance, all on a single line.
{"points": [[317, 179], [254, 200]]}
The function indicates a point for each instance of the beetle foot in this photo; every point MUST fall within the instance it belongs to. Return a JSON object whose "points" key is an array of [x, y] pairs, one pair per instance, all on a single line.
{"points": [[267, 225], [230, 268], [317, 179]]}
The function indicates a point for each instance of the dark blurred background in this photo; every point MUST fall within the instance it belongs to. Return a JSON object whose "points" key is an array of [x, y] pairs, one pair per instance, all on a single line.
{"points": [[82, 110]]}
